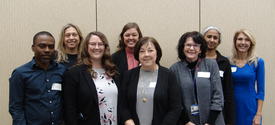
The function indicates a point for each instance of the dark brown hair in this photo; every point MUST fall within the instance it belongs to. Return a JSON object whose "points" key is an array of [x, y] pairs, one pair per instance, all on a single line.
{"points": [[197, 38], [145, 40], [130, 25]]}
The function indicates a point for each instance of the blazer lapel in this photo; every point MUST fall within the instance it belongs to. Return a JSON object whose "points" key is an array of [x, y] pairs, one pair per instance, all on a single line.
{"points": [[89, 80]]}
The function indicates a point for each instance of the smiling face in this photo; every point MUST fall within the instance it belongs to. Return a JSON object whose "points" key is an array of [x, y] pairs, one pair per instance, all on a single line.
{"points": [[130, 37], [212, 39], [96, 48], [242, 43], [191, 50], [148, 55], [71, 38]]}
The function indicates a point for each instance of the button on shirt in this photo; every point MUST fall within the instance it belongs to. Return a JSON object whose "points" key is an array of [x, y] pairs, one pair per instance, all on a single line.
{"points": [[35, 94]]}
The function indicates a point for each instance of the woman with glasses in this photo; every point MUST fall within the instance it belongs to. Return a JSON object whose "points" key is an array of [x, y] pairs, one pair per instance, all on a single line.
{"points": [[200, 82], [91, 87]]}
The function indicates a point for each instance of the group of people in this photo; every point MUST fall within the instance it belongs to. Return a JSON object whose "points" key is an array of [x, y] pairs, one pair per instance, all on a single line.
{"points": [[81, 83]]}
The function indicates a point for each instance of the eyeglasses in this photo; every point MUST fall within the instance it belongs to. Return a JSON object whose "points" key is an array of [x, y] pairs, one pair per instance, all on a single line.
{"points": [[96, 44], [195, 46]]}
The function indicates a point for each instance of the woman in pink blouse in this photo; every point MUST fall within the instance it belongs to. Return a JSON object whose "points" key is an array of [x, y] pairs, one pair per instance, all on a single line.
{"points": [[124, 57]]}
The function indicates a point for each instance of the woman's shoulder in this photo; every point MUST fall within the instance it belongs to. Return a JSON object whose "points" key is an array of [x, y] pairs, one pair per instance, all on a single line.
{"points": [[209, 62], [164, 69], [118, 53], [176, 65], [260, 60], [77, 68]]}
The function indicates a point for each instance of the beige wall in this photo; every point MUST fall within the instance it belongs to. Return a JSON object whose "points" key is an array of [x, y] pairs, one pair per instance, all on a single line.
{"points": [[165, 20]]}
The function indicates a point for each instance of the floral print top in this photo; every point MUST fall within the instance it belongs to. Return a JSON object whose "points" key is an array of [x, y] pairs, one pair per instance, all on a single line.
{"points": [[107, 93]]}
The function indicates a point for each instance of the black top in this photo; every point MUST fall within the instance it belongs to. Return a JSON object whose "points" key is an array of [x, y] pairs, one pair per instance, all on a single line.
{"points": [[167, 105], [72, 59], [119, 58], [227, 85]]}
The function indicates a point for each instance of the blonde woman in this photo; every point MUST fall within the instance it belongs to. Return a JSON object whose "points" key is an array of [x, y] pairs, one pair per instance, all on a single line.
{"points": [[69, 45], [247, 72]]}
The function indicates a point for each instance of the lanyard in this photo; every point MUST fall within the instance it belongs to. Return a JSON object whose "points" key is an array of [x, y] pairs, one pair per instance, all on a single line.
{"points": [[193, 71], [195, 85]]}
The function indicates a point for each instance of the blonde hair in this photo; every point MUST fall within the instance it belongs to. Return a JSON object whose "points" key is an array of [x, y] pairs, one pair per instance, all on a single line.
{"points": [[251, 56], [62, 55]]}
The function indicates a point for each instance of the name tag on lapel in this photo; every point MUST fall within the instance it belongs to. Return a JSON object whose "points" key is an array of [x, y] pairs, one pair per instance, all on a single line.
{"points": [[56, 86], [152, 84], [221, 73], [233, 69], [204, 74]]}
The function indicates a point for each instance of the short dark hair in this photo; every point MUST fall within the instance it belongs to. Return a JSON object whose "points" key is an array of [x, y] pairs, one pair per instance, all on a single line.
{"points": [[197, 38], [127, 26], [41, 33], [145, 40]]}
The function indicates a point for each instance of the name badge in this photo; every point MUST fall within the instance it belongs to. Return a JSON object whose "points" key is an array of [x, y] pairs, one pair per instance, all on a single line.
{"points": [[152, 84], [56, 86], [233, 69], [204, 74], [194, 109], [221, 73]]}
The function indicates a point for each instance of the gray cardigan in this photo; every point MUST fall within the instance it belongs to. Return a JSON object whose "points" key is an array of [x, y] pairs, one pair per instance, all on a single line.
{"points": [[208, 84]]}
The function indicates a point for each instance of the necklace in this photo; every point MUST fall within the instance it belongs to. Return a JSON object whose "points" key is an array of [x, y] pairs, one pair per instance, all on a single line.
{"points": [[147, 85], [144, 99]]}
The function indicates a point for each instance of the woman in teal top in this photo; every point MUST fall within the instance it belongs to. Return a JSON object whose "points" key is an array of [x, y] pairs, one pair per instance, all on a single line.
{"points": [[247, 72]]}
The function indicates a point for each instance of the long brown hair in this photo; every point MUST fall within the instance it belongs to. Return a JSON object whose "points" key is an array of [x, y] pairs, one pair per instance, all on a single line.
{"points": [[127, 26], [84, 57]]}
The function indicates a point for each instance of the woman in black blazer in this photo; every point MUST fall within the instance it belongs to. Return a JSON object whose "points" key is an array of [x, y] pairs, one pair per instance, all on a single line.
{"points": [[151, 95], [91, 87], [124, 57]]}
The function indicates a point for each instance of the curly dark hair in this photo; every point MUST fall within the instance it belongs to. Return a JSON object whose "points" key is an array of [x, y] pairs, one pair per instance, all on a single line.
{"points": [[197, 38]]}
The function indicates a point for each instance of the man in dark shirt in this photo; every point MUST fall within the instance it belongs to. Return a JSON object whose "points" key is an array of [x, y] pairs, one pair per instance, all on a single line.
{"points": [[35, 87]]}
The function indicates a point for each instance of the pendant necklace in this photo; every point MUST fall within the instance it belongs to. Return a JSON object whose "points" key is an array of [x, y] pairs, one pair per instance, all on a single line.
{"points": [[143, 93]]}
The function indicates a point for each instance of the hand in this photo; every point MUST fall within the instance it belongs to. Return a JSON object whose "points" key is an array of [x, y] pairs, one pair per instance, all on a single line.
{"points": [[129, 122], [206, 124], [257, 119], [190, 123]]}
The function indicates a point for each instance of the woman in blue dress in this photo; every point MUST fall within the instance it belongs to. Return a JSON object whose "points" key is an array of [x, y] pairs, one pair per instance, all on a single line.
{"points": [[249, 79]]}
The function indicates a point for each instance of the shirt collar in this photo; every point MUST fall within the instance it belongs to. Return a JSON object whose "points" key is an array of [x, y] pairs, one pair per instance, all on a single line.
{"points": [[52, 64]]}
